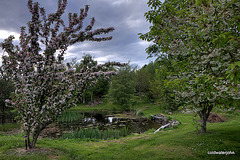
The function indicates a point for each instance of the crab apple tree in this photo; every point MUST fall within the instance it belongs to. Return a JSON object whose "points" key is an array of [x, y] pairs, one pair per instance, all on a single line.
{"points": [[44, 86], [202, 38]]}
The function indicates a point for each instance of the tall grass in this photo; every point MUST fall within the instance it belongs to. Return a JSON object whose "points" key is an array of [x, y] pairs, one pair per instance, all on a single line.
{"points": [[70, 117], [95, 133]]}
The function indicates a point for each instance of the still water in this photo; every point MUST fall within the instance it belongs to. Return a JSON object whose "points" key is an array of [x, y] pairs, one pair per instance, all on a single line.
{"points": [[113, 121]]}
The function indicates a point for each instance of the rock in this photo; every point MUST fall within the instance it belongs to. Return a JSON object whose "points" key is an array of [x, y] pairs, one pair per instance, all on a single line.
{"points": [[160, 118], [174, 123], [121, 125]]}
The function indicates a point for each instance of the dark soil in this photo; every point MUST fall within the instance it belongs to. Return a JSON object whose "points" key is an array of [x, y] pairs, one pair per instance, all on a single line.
{"points": [[51, 153], [23, 151], [214, 118]]}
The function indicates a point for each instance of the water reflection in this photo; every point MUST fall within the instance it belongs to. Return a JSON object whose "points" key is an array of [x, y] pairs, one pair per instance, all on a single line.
{"points": [[104, 121], [110, 119], [89, 120]]}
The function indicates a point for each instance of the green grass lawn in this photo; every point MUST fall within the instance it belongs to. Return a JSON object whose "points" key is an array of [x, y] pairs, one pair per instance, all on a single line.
{"points": [[181, 142]]}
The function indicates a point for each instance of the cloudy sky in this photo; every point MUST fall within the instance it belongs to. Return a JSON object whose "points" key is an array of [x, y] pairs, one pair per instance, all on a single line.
{"points": [[126, 16]]}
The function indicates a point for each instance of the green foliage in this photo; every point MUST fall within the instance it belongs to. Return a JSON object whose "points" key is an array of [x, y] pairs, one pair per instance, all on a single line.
{"points": [[122, 87], [142, 81], [144, 78], [6, 88], [150, 68], [101, 88], [95, 133], [233, 73], [160, 87]]}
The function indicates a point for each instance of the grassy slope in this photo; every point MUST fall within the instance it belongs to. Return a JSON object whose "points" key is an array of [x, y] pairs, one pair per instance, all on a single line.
{"points": [[179, 143]]}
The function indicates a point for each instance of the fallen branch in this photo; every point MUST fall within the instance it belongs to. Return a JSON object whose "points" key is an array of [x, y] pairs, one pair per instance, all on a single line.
{"points": [[162, 127]]}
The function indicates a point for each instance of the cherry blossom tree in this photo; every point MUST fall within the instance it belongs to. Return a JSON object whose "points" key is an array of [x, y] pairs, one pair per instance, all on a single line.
{"points": [[44, 87]]}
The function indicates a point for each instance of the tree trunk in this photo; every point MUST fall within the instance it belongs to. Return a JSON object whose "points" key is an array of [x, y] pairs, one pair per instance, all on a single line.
{"points": [[34, 141], [83, 100], [204, 113], [3, 114], [28, 140], [203, 123], [32, 144]]}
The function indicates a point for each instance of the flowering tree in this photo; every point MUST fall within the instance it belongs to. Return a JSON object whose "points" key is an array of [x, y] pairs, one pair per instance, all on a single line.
{"points": [[202, 39], [44, 87]]}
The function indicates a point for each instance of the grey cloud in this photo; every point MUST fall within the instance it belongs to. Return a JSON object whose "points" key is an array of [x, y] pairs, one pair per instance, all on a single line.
{"points": [[126, 16]]}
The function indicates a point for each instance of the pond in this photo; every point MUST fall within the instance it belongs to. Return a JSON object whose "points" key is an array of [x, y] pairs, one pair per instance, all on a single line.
{"points": [[104, 121]]}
